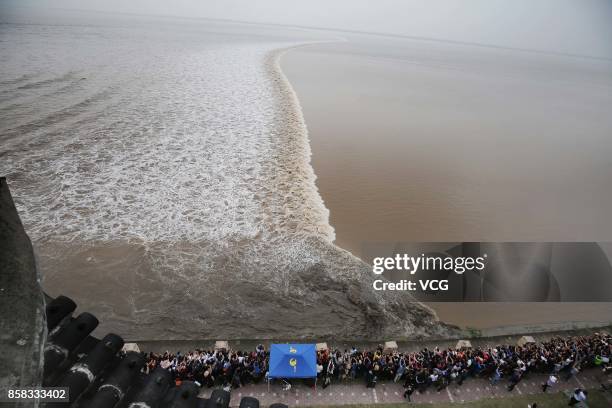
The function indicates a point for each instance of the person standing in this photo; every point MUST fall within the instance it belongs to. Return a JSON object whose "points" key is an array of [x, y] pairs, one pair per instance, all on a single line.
{"points": [[370, 379], [401, 369], [552, 380], [578, 396], [572, 372], [515, 378], [497, 375], [408, 392]]}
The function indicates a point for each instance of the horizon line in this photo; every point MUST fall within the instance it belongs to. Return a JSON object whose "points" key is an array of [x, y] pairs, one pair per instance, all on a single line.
{"points": [[340, 30]]}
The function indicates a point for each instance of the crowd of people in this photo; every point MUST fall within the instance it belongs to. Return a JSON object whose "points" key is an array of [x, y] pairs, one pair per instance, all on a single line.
{"points": [[560, 358], [214, 367]]}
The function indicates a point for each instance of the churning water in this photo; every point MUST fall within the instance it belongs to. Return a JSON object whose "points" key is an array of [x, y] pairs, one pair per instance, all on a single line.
{"points": [[162, 169]]}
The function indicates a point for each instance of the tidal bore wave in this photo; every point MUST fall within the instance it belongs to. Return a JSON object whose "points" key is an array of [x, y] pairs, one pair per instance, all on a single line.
{"points": [[170, 189]]}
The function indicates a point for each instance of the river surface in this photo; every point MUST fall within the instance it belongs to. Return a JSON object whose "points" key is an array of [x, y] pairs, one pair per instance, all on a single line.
{"points": [[429, 141], [161, 167], [432, 141]]}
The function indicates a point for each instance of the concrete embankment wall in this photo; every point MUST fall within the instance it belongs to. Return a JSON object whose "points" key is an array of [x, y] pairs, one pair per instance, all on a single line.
{"points": [[22, 321]]}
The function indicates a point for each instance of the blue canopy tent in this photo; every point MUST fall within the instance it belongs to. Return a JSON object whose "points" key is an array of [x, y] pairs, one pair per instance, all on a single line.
{"points": [[292, 361]]}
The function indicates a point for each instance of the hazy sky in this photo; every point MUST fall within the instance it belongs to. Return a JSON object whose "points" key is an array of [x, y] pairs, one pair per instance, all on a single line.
{"points": [[572, 26]]}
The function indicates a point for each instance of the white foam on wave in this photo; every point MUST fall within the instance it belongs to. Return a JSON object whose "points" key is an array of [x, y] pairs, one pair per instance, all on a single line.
{"points": [[197, 146]]}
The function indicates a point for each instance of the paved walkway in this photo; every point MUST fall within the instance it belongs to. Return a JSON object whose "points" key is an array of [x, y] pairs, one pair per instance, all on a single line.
{"points": [[389, 392]]}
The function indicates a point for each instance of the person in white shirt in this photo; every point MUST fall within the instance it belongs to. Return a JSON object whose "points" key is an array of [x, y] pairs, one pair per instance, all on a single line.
{"points": [[578, 396], [552, 380]]}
